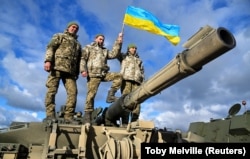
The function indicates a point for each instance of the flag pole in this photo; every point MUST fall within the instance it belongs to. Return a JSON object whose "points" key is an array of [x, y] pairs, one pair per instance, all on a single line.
{"points": [[122, 28], [123, 22]]}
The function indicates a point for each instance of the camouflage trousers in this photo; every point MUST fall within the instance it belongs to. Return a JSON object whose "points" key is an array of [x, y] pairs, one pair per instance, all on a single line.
{"points": [[127, 87], [93, 84], [52, 84]]}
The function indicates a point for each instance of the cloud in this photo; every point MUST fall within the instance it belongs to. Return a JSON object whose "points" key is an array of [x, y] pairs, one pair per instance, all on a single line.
{"points": [[19, 87]]}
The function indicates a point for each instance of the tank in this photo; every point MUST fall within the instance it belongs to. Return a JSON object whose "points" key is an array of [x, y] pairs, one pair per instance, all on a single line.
{"points": [[107, 137], [231, 129]]}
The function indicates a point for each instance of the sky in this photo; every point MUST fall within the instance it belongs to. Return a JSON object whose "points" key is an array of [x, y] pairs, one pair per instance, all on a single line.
{"points": [[27, 26]]}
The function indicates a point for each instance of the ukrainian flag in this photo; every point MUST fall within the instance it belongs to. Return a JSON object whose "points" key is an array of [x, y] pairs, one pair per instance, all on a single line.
{"points": [[141, 19]]}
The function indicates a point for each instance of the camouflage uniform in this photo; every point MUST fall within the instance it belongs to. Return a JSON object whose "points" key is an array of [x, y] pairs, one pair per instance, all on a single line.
{"points": [[94, 61], [132, 71], [64, 52]]}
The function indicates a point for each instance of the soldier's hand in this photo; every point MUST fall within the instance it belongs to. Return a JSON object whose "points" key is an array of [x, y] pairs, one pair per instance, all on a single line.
{"points": [[84, 74], [120, 37], [47, 66]]}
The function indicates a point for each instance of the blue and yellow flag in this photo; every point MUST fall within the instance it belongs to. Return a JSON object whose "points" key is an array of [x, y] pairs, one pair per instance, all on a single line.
{"points": [[141, 19]]}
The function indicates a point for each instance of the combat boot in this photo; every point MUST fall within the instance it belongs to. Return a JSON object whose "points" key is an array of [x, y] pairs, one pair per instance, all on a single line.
{"points": [[68, 117], [111, 96], [87, 117], [50, 117]]}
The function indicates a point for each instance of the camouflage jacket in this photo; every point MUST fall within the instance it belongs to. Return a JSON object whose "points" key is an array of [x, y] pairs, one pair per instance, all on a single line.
{"points": [[64, 53], [131, 67], [94, 59]]}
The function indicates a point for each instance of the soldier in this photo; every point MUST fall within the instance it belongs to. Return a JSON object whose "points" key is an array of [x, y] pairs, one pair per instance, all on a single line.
{"points": [[94, 66], [62, 60], [132, 71]]}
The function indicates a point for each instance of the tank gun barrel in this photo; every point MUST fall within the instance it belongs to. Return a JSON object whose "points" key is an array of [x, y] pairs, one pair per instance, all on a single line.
{"points": [[204, 46]]}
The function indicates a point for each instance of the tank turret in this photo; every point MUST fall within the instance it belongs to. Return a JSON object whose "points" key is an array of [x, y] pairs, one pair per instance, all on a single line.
{"points": [[203, 47], [57, 139]]}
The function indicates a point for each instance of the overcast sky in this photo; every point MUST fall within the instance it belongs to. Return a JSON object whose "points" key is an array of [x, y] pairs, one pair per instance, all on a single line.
{"points": [[27, 26]]}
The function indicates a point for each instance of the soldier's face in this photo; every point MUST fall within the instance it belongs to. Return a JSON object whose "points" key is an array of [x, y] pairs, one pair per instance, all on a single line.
{"points": [[73, 29], [132, 50], [100, 40]]}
